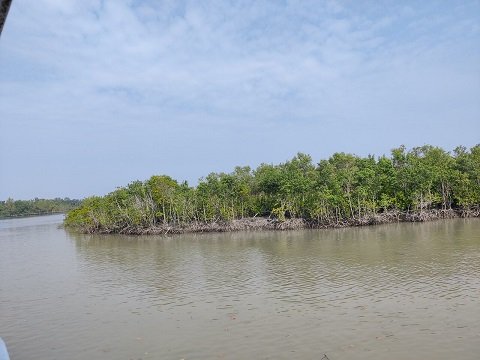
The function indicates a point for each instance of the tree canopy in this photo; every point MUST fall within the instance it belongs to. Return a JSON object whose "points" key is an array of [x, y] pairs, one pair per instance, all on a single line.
{"points": [[344, 186], [14, 208]]}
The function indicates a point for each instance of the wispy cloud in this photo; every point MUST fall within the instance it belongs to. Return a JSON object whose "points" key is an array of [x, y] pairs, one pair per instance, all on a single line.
{"points": [[131, 88]]}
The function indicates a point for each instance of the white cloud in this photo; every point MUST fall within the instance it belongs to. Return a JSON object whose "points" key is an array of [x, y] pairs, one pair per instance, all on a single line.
{"points": [[207, 67]]}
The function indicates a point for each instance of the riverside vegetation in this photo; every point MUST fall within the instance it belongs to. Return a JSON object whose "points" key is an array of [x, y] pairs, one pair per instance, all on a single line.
{"points": [[19, 208], [421, 184]]}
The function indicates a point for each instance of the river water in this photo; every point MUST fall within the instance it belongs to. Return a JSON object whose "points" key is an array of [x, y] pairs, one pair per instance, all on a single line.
{"points": [[399, 291]]}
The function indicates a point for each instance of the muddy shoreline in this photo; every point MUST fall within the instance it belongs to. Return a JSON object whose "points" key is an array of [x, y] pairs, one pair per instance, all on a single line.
{"points": [[262, 223]]}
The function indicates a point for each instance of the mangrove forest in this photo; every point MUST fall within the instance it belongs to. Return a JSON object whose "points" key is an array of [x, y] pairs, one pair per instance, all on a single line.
{"points": [[20, 208], [420, 184]]}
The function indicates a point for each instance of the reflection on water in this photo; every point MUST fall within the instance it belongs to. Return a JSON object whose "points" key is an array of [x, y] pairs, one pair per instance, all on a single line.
{"points": [[396, 291]]}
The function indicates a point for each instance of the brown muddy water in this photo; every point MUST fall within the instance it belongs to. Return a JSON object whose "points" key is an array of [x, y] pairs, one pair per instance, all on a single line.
{"points": [[398, 291]]}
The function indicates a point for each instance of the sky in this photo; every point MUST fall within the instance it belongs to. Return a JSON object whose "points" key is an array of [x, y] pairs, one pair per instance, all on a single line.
{"points": [[96, 94]]}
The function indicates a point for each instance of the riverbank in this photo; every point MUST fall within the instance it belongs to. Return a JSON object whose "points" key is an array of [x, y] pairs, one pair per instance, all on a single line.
{"points": [[262, 223], [344, 190], [32, 215], [11, 209]]}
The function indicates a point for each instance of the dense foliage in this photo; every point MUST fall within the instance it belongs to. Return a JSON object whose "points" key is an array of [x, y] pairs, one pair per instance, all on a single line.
{"points": [[13, 208], [344, 186]]}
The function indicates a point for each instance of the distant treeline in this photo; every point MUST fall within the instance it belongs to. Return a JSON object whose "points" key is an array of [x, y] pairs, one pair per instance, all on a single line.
{"points": [[344, 187], [17, 208]]}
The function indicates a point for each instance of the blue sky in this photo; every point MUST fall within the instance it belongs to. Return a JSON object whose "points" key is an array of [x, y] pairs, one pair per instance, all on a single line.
{"points": [[95, 94]]}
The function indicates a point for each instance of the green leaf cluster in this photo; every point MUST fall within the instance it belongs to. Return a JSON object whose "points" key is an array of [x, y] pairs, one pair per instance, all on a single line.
{"points": [[344, 186], [17, 208]]}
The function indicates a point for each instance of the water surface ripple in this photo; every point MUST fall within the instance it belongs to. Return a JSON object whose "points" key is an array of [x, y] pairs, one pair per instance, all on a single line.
{"points": [[395, 291]]}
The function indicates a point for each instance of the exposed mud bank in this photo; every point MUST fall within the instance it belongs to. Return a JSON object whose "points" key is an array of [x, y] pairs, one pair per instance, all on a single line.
{"points": [[260, 223]]}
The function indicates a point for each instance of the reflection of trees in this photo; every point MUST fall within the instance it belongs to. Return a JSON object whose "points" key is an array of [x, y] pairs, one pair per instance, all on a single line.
{"points": [[165, 269], [314, 267], [370, 261], [147, 267]]}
